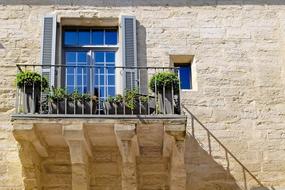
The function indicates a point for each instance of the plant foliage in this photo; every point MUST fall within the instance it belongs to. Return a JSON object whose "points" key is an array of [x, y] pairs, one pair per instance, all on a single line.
{"points": [[29, 79], [58, 94], [164, 80]]}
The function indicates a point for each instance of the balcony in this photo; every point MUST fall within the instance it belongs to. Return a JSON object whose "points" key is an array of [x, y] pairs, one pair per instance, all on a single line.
{"points": [[86, 127], [97, 91]]}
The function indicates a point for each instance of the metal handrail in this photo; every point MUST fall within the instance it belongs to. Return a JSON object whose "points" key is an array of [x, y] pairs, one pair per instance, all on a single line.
{"points": [[209, 133]]}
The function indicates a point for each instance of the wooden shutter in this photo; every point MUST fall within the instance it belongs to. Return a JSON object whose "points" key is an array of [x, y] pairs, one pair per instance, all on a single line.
{"points": [[49, 48], [129, 51]]}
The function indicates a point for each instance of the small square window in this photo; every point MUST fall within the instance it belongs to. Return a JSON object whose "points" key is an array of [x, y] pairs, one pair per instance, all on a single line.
{"points": [[185, 77]]}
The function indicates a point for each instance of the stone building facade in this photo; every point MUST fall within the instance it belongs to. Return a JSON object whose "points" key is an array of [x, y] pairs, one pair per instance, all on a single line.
{"points": [[238, 72]]}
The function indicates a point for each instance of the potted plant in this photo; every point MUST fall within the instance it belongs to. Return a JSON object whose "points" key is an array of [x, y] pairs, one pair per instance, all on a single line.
{"points": [[146, 104], [31, 85], [57, 101], [130, 103], [136, 103], [166, 86], [83, 103], [114, 105]]}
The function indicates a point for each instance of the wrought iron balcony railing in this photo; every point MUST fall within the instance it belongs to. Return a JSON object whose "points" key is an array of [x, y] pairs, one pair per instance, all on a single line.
{"points": [[97, 90]]}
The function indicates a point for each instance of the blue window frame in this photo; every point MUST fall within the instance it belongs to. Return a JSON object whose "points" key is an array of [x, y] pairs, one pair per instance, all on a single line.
{"points": [[185, 76]]}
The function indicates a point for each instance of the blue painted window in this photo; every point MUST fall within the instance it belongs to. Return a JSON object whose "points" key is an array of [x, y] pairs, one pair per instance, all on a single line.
{"points": [[80, 37], [78, 75], [185, 76], [100, 78], [76, 72], [104, 73]]}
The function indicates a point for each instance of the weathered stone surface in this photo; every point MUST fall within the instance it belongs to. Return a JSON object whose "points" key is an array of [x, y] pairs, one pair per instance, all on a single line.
{"points": [[239, 55]]}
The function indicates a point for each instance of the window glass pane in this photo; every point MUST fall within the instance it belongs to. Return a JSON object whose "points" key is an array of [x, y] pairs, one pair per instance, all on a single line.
{"points": [[99, 57], [111, 37], [69, 70], [70, 89], [102, 91], [99, 68], [85, 89], [70, 80], [111, 91], [110, 57], [111, 80], [80, 80], [98, 37], [79, 89], [70, 56], [84, 37], [185, 77], [81, 70], [110, 70], [82, 57], [99, 80], [70, 37]]}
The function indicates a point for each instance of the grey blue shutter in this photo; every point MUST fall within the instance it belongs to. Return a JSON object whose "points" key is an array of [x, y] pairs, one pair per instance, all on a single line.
{"points": [[129, 51], [48, 48]]}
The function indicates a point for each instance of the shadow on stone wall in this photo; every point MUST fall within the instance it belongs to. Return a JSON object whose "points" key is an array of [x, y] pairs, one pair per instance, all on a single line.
{"points": [[120, 3], [211, 166], [203, 172]]}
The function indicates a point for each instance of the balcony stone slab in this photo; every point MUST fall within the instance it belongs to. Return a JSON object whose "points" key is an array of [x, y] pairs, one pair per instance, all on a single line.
{"points": [[82, 152]]}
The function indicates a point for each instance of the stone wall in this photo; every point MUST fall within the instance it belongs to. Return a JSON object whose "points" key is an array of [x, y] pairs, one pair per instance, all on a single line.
{"points": [[239, 57]]}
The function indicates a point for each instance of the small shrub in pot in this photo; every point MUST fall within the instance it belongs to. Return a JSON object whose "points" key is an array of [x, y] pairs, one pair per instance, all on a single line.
{"points": [[31, 85], [166, 86], [57, 101]]}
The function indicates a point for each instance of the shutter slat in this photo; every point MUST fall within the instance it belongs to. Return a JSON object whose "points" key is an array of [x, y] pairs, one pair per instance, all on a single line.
{"points": [[48, 47], [129, 50]]}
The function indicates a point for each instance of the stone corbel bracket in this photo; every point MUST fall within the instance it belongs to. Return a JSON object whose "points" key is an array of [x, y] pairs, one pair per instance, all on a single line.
{"points": [[80, 150], [127, 142], [174, 147], [27, 132], [77, 133], [32, 150], [129, 149]]}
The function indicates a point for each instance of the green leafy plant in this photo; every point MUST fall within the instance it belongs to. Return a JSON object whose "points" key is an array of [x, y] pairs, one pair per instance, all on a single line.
{"points": [[164, 79], [85, 97], [58, 94], [110, 99], [29, 79], [75, 96], [115, 99], [119, 98], [131, 98], [144, 99]]}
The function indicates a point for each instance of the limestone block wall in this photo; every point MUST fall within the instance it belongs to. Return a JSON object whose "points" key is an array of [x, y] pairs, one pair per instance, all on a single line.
{"points": [[239, 56]]}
